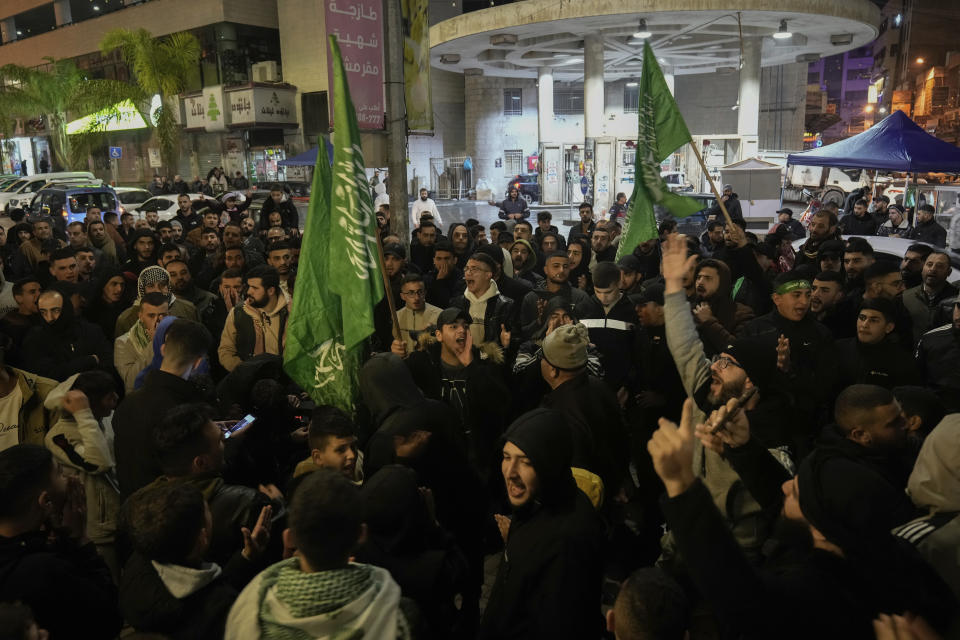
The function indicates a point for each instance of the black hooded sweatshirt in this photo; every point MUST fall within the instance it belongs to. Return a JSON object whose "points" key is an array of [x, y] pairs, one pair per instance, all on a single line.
{"points": [[66, 346], [547, 586]]}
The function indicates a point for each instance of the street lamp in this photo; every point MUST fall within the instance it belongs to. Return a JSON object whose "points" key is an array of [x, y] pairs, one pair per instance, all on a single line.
{"points": [[868, 108], [782, 33], [920, 60], [642, 32]]}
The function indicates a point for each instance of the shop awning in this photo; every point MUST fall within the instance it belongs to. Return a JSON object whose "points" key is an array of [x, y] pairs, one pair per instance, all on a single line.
{"points": [[307, 158]]}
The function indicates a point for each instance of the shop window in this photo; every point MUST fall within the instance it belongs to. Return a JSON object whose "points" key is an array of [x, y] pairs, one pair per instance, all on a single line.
{"points": [[512, 102]]}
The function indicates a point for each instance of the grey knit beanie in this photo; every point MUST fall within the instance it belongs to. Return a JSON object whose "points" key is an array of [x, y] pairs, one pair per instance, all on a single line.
{"points": [[566, 347]]}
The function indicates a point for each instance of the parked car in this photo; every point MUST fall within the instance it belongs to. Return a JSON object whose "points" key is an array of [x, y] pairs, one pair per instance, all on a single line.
{"points": [[131, 198], [20, 193], [892, 249], [7, 179], [694, 224], [67, 202], [527, 185], [167, 207]]}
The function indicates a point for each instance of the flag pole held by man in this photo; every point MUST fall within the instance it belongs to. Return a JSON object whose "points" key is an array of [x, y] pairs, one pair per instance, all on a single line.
{"points": [[338, 283], [661, 132]]}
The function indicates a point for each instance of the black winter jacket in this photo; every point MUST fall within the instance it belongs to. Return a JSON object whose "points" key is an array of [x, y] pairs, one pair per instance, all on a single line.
{"points": [[69, 588]]}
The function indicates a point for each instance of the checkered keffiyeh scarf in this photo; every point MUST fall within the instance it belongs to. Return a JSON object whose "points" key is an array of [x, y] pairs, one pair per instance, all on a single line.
{"points": [[312, 594], [151, 275]]}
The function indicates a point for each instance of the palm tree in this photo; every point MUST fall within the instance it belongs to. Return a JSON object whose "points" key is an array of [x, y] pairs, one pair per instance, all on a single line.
{"points": [[52, 93], [160, 66]]}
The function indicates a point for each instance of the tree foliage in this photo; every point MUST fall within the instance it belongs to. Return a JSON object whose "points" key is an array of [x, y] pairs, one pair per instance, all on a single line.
{"points": [[160, 66], [55, 92]]}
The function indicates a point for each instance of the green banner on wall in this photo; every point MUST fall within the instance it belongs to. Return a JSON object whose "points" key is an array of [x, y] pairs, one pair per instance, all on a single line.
{"points": [[416, 64]]}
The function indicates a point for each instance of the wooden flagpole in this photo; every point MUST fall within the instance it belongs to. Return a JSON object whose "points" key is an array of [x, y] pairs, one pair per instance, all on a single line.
{"points": [[713, 187], [388, 290]]}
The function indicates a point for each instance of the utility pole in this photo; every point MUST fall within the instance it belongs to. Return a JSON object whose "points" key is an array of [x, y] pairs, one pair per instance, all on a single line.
{"points": [[396, 121]]}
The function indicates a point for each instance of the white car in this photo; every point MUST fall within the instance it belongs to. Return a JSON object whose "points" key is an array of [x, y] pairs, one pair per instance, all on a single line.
{"points": [[166, 204], [891, 249], [131, 197]]}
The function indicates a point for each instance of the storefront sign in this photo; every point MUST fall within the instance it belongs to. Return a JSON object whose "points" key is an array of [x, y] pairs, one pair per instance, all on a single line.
{"points": [[262, 105], [206, 111], [358, 25], [122, 116]]}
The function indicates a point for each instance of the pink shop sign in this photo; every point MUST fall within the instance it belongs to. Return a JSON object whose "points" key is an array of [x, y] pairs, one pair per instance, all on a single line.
{"points": [[358, 25]]}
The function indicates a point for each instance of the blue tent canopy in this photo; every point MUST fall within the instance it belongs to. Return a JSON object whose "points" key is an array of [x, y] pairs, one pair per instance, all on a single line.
{"points": [[895, 143], [307, 158]]}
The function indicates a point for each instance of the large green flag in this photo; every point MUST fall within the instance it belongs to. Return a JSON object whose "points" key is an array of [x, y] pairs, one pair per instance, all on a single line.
{"points": [[338, 278], [315, 356], [354, 271], [661, 132]]}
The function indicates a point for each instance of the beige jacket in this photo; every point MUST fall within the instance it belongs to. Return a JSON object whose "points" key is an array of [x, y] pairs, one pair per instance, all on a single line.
{"points": [[268, 322], [416, 322]]}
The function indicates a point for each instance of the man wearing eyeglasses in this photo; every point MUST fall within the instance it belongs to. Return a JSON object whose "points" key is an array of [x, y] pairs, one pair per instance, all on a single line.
{"points": [[415, 316], [490, 312]]}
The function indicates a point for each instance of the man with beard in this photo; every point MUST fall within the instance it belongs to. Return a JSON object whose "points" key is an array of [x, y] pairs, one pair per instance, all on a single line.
{"points": [[556, 268], [233, 237], [553, 541], [912, 265], [256, 326], [186, 216], [142, 249], [603, 249], [86, 264], [422, 205], [883, 280], [63, 344], [514, 207], [835, 555], [924, 301], [717, 315], [927, 228], [857, 256], [280, 257], [938, 358], [823, 227], [183, 286], [859, 223], [462, 247], [97, 232], [830, 256], [712, 383], [827, 305], [587, 225], [445, 280], [422, 248], [875, 356]]}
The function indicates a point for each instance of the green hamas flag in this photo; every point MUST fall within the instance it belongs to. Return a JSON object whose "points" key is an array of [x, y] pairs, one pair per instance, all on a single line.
{"points": [[338, 278], [661, 132], [314, 355], [354, 271]]}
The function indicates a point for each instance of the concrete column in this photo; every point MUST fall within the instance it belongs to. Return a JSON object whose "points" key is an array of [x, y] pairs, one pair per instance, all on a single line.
{"points": [[748, 116], [545, 104], [592, 105], [669, 78], [8, 30], [62, 13]]}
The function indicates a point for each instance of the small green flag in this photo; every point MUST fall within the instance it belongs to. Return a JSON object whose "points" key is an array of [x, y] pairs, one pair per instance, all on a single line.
{"points": [[354, 271], [661, 132], [338, 278]]}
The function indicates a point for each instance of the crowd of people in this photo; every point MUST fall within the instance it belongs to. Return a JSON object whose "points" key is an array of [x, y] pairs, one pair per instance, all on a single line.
{"points": [[217, 182], [715, 437]]}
